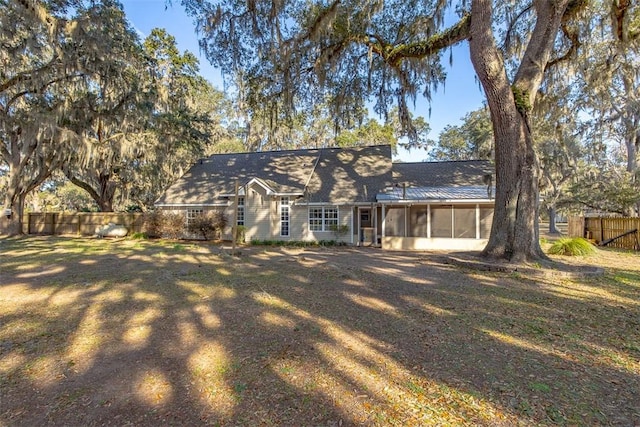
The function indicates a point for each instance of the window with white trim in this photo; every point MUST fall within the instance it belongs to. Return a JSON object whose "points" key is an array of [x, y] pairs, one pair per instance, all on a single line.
{"points": [[284, 216], [193, 214], [240, 211], [323, 218]]}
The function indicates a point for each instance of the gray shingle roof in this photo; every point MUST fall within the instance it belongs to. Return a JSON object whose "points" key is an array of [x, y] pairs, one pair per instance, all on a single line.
{"points": [[331, 175], [441, 174], [346, 175]]}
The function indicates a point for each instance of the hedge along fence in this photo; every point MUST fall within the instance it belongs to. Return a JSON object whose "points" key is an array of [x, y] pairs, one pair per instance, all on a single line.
{"points": [[80, 223], [603, 229]]}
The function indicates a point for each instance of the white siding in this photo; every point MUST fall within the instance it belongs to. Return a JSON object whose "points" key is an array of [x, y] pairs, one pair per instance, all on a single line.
{"points": [[257, 214]]}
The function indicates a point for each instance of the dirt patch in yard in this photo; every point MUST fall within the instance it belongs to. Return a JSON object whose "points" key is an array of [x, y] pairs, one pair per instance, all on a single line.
{"points": [[104, 332]]}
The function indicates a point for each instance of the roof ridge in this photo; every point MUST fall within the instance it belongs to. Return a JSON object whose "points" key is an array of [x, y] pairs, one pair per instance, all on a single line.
{"points": [[294, 150]]}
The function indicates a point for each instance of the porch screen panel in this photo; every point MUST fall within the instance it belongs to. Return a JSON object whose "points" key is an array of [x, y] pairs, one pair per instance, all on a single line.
{"points": [[486, 219], [464, 222], [418, 221], [394, 222], [441, 221]]}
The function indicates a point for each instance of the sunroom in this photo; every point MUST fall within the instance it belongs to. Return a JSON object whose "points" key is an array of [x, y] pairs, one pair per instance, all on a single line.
{"points": [[435, 218]]}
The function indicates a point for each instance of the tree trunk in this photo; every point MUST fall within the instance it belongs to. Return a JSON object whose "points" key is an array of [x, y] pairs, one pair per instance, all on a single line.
{"points": [[514, 233], [551, 210], [13, 198], [632, 142], [105, 193], [13, 225]]}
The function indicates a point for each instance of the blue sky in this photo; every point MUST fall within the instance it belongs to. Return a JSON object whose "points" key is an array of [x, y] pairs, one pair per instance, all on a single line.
{"points": [[460, 95]]}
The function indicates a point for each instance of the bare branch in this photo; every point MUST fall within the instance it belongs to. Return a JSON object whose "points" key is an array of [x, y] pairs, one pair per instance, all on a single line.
{"points": [[512, 24]]}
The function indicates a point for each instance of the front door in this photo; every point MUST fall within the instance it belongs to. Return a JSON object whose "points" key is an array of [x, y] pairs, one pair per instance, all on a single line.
{"points": [[366, 227]]}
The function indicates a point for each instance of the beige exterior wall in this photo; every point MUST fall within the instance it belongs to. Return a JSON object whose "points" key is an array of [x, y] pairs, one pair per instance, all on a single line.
{"points": [[345, 217], [257, 214]]}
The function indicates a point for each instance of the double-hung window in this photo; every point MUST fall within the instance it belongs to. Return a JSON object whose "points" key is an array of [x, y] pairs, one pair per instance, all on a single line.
{"points": [[240, 211], [284, 216], [323, 218]]}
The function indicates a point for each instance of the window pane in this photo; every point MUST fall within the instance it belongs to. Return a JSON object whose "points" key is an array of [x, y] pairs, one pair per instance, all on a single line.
{"points": [[464, 220], [441, 221], [240, 211], [330, 217], [284, 216], [315, 219], [192, 214]]}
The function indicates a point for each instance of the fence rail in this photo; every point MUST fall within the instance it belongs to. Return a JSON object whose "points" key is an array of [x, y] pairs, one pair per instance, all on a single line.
{"points": [[602, 229], [80, 223]]}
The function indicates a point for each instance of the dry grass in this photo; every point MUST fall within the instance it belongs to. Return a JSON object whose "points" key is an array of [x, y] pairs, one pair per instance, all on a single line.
{"points": [[124, 332]]}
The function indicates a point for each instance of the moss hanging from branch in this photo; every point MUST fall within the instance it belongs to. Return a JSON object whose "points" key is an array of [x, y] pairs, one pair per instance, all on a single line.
{"points": [[432, 45]]}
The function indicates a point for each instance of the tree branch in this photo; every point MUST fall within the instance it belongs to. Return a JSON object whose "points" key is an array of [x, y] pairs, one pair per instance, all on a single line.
{"points": [[86, 187], [26, 76], [507, 38], [433, 44], [573, 37]]}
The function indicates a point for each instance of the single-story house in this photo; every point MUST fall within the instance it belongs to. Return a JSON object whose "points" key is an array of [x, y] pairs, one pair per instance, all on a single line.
{"points": [[354, 195]]}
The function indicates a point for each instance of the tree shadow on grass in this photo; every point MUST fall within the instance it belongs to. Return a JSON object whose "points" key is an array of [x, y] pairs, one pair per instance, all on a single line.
{"points": [[148, 333]]}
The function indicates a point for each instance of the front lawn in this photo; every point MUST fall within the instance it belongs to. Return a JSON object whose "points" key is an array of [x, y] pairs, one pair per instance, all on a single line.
{"points": [[140, 332]]}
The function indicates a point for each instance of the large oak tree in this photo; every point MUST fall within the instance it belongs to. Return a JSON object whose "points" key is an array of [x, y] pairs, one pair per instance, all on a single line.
{"points": [[46, 48]]}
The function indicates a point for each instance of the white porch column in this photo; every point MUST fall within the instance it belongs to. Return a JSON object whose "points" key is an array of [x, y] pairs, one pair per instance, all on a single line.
{"points": [[384, 220], [477, 221], [406, 221], [359, 228], [428, 221], [353, 221], [374, 212]]}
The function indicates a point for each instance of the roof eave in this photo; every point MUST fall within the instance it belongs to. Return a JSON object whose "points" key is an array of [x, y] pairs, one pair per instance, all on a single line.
{"points": [[189, 205], [432, 201]]}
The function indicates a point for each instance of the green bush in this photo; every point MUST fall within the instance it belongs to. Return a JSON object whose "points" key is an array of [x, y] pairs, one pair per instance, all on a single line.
{"points": [[572, 247], [138, 236]]}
